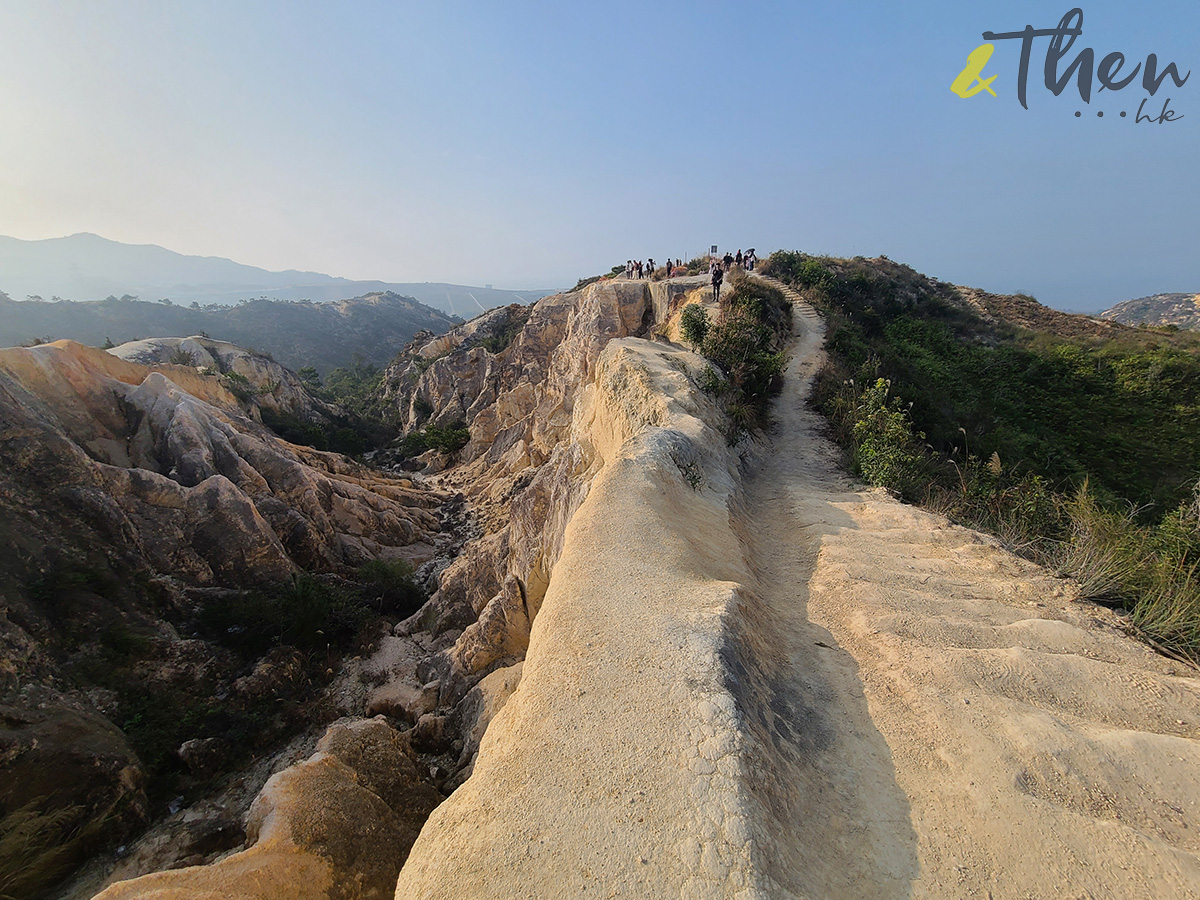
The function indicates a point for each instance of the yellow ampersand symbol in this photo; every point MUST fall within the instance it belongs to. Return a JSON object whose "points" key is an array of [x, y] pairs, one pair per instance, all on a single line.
{"points": [[968, 83]]}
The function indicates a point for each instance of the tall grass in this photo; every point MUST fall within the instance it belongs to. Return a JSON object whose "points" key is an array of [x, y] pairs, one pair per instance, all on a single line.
{"points": [[36, 848], [1151, 570]]}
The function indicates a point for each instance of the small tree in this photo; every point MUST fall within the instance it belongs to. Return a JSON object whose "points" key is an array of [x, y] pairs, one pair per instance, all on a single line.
{"points": [[694, 324]]}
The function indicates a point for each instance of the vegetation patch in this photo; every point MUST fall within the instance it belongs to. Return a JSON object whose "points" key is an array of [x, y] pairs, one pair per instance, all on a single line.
{"points": [[448, 439], [1078, 444], [745, 344], [366, 422]]}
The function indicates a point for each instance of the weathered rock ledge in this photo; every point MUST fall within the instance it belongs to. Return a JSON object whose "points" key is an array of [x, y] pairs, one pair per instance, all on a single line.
{"points": [[618, 764]]}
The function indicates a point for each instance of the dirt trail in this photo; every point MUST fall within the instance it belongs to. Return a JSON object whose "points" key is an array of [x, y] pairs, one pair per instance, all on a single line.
{"points": [[936, 717]]}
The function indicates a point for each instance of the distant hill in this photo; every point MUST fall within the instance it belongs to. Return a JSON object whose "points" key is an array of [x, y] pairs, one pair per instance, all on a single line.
{"points": [[89, 267], [297, 334], [1181, 310]]}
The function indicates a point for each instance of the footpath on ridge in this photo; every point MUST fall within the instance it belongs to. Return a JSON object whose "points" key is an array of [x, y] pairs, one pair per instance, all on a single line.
{"points": [[961, 727], [753, 678]]}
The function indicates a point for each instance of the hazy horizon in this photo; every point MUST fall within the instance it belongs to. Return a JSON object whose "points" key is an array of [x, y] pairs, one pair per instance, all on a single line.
{"points": [[531, 145]]}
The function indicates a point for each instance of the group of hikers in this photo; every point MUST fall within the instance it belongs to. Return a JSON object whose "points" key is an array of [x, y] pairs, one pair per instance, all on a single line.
{"points": [[718, 266], [635, 268]]}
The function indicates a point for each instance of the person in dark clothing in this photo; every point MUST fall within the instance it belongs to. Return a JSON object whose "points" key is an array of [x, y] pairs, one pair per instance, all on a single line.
{"points": [[717, 277], [737, 259], [728, 260]]}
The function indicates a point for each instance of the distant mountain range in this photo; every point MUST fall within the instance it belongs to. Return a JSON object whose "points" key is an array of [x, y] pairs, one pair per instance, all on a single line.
{"points": [[1180, 310], [89, 267], [297, 334]]}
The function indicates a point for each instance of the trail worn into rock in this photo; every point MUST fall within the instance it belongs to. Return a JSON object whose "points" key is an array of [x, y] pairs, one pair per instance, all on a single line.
{"points": [[944, 721], [751, 678]]}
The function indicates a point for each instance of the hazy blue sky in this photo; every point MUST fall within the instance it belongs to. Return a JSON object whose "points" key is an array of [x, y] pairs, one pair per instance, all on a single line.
{"points": [[528, 144]]}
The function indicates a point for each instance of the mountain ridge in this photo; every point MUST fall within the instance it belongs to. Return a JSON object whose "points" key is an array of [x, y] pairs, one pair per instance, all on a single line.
{"points": [[299, 334], [1179, 309], [86, 266]]}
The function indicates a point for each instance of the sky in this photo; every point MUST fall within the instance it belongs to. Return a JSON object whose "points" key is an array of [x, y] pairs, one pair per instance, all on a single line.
{"points": [[528, 144]]}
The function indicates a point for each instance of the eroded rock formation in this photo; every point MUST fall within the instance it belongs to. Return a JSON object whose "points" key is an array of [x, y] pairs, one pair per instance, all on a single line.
{"points": [[266, 384], [130, 497], [338, 825]]}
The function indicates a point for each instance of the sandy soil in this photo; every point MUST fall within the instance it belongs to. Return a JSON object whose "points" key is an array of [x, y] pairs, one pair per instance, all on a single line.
{"points": [[954, 724]]}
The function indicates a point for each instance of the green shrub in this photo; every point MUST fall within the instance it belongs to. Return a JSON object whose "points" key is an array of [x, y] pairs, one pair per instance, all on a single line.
{"points": [[448, 439], [711, 382], [584, 282], [350, 436], [886, 449], [694, 324], [239, 386], [394, 584], [503, 339]]}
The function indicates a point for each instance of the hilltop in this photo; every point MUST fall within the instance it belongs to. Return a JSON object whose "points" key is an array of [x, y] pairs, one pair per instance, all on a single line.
{"points": [[863, 698], [298, 334], [89, 267], [1180, 310]]}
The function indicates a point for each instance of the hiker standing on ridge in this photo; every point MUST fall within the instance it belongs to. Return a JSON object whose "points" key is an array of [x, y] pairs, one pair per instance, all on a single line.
{"points": [[738, 259], [717, 276]]}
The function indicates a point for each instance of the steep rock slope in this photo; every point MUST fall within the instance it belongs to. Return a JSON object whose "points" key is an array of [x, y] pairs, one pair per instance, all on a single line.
{"points": [[551, 367], [131, 497], [524, 471], [139, 447], [264, 383], [337, 825]]}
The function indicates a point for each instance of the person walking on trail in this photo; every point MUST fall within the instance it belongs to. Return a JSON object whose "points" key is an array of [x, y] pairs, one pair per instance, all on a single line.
{"points": [[717, 276], [737, 259]]}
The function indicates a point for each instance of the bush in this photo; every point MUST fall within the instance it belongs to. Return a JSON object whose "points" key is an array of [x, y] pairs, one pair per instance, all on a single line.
{"points": [[694, 324], [711, 382], [351, 438], [448, 439], [396, 588], [503, 339], [886, 449], [745, 344], [239, 386]]}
